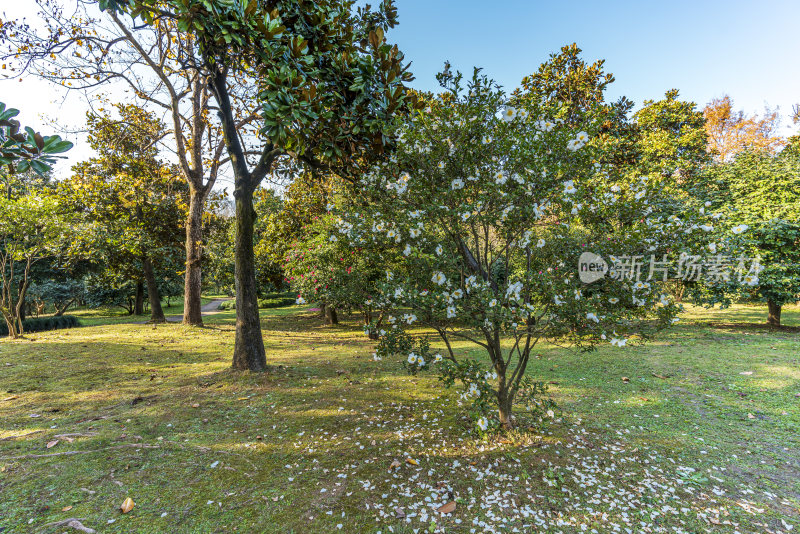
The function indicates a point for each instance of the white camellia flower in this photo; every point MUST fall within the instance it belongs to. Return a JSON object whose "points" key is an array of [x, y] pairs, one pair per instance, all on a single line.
{"points": [[569, 187], [558, 301], [540, 243], [592, 317], [441, 165], [439, 278], [398, 293], [493, 303], [458, 183], [407, 250], [412, 358], [301, 300], [751, 280], [437, 358], [500, 177], [414, 232], [458, 293], [439, 250], [391, 234], [706, 227], [376, 357], [486, 140], [451, 312], [739, 228], [712, 247], [509, 114], [483, 424]]}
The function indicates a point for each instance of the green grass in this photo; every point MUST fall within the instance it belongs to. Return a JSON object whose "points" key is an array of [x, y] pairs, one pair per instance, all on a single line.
{"points": [[707, 426], [118, 315]]}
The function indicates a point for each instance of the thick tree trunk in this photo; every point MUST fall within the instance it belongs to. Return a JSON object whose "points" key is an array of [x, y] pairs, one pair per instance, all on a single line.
{"points": [[248, 351], [774, 317], [192, 304], [331, 317], [138, 304], [156, 313]]}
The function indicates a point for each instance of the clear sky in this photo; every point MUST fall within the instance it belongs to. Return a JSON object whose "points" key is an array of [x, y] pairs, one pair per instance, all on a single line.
{"points": [[704, 48]]}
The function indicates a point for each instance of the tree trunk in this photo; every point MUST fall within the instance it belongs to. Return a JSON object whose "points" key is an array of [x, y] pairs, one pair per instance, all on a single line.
{"points": [[192, 314], [331, 317], [156, 313], [504, 404], [248, 351], [21, 306], [138, 304], [774, 317], [60, 310]]}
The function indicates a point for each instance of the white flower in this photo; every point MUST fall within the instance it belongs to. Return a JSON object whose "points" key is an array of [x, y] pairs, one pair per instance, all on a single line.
{"points": [[486, 140], [437, 358], [751, 280], [301, 300], [500, 177], [407, 250], [441, 165], [509, 114], [618, 341], [398, 293], [712, 247], [582, 137], [739, 229], [569, 187], [558, 300], [664, 300], [409, 318], [412, 358], [613, 300], [439, 250], [706, 227], [376, 357], [493, 303], [391, 234], [415, 232], [458, 183], [438, 278], [591, 316], [615, 188], [551, 414], [483, 424], [474, 391], [451, 312], [458, 293], [389, 276], [540, 243]]}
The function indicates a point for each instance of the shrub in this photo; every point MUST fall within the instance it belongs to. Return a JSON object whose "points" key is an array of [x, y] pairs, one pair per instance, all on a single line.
{"points": [[42, 324]]}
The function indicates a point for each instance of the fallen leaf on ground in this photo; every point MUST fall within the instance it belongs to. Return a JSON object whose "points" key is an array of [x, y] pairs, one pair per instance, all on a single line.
{"points": [[447, 508], [746, 373], [662, 377], [12, 397], [127, 505], [751, 416], [395, 464], [51, 444], [626, 379], [66, 509], [411, 461]]}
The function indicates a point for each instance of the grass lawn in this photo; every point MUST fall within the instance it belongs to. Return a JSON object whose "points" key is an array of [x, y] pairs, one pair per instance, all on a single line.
{"points": [[703, 436], [117, 315]]}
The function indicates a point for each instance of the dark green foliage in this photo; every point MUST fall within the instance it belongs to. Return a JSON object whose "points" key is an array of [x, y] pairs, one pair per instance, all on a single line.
{"points": [[42, 324]]}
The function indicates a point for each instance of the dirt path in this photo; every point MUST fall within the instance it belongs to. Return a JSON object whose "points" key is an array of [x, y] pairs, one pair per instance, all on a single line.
{"points": [[210, 308]]}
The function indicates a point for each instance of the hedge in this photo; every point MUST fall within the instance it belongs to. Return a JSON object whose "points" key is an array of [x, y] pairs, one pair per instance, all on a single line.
{"points": [[41, 324]]}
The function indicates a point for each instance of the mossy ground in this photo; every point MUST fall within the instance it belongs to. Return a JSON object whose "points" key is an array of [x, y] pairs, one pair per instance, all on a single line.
{"points": [[704, 435]]}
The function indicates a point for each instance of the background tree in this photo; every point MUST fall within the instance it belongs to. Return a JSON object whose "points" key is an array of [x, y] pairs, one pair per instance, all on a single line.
{"points": [[760, 194], [32, 228], [327, 85], [159, 67], [672, 138], [730, 132], [135, 202]]}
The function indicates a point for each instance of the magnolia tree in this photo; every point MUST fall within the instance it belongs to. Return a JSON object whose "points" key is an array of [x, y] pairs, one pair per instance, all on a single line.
{"points": [[490, 202]]}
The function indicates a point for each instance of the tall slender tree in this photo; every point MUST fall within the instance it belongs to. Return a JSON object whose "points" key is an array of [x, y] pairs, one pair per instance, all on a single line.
{"points": [[328, 85]]}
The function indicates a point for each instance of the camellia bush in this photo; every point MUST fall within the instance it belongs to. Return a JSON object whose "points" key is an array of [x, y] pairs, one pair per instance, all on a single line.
{"points": [[489, 201]]}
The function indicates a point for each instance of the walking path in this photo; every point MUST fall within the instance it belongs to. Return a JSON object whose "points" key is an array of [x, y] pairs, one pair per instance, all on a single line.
{"points": [[210, 308]]}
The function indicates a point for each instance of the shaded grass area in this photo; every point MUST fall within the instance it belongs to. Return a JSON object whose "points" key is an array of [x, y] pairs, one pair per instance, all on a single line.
{"points": [[154, 413]]}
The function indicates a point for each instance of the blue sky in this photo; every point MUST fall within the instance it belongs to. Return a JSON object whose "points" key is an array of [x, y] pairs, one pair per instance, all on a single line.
{"points": [[705, 48]]}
